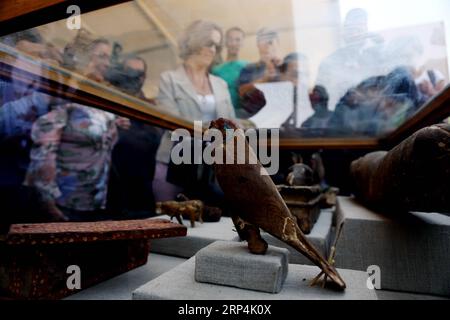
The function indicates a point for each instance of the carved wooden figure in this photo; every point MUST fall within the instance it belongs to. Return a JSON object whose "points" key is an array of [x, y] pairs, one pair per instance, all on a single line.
{"points": [[191, 209], [413, 176], [256, 203]]}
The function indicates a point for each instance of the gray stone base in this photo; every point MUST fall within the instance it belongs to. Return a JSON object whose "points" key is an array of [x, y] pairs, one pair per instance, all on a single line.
{"points": [[413, 255], [179, 284], [231, 264], [202, 235]]}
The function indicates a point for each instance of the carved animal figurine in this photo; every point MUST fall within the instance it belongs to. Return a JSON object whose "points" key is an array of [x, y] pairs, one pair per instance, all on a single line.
{"points": [[192, 210], [209, 214], [301, 174], [256, 203], [413, 176]]}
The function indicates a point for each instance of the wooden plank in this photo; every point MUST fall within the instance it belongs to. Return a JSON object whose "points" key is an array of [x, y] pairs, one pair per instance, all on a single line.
{"points": [[40, 271], [82, 232], [18, 15], [329, 143]]}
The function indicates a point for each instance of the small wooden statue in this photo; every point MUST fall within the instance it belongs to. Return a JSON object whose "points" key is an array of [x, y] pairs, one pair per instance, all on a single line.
{"points": [[191, 209]]}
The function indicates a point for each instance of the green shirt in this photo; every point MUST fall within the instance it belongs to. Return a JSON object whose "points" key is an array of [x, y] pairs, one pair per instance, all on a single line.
{"points": [[230, 71]]}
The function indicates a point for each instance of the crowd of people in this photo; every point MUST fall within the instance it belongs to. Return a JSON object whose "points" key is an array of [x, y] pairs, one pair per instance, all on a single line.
{"points": [[63, 161]]}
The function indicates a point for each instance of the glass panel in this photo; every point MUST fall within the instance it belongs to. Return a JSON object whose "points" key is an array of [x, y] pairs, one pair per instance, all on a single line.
{"points": [[329, 68], [313, 68], [342, 68]]}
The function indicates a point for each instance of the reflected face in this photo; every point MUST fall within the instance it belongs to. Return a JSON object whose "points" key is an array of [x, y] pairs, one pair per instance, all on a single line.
{"points": [[208, 52], [268, 49], [234, 42], [100, 61]]}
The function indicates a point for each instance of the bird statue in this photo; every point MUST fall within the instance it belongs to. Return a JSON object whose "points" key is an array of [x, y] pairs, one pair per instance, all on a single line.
{"points": [[254, 203]]}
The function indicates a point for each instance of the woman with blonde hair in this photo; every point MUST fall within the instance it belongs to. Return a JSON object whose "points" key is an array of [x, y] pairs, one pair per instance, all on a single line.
{"points": [[191, 92]]}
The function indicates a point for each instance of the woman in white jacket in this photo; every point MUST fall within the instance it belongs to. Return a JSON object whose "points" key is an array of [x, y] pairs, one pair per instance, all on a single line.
{"points": [[191, 92]]}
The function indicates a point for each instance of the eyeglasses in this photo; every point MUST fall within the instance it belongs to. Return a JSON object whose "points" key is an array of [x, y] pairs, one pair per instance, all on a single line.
{"points": [[211, 43], [102, 56]]}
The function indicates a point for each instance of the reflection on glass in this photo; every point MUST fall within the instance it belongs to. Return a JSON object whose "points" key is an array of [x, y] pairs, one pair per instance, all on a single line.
{"points": [[312, 68]]}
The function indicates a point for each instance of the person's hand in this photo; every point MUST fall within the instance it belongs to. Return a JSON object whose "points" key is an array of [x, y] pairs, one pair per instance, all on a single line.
{"points": [[271, 72], [123, 123], [54, 212], [253, 100]]}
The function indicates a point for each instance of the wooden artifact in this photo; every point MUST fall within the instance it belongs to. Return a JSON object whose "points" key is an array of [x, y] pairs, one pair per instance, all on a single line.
{"points": [[413, 176], [256, 203], [304, 204], [190, 209], [303, 193], [209, 214], [34, 258]]}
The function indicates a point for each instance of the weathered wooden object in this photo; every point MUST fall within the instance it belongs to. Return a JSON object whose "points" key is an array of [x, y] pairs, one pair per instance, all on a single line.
{"points": [[413, 176]]}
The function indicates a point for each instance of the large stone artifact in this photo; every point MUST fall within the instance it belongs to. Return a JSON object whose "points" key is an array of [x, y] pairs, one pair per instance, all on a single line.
{"points": [[413, 176], [256, 203]]}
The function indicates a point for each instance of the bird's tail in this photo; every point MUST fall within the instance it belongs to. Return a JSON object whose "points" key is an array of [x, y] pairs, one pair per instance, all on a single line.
{"points": [[305, 247]]}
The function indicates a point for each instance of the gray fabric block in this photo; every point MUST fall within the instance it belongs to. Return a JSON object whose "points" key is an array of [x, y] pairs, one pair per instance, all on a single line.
{"points": [[395, 295], [413, 254], [231, 264], [179, 284], [202, 235], [321, 237], [122, 286]]}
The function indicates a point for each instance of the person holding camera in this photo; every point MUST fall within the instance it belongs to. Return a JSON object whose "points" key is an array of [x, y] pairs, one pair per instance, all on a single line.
{"points": [[266, 70]]}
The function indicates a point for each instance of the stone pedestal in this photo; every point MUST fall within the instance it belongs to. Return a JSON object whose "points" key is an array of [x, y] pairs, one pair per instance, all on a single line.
{"points": [[202, 235], [231, 264], [412, 254]]}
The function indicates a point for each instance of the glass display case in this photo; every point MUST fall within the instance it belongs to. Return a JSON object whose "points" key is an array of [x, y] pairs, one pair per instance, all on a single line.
{"points": [[329, 75], [91, 93]]}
